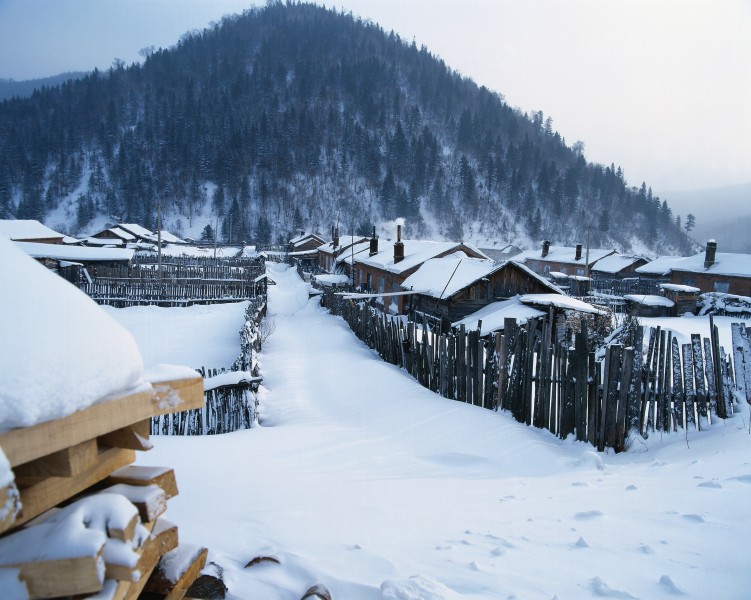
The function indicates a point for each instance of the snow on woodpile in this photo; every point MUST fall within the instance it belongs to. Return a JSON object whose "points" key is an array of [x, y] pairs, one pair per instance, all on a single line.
{"points": [[716, 303], [61, 352]]}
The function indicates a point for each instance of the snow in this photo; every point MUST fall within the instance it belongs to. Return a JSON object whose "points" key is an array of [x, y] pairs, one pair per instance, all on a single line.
{"points": [[493, 315], [176, 562], [75, 253], [650, 300], [660, 266], [331, 279], [26, 229], [559, 301], [726, 263], [443, 277], [196, 336], [675, 287], [61, 352], [200, 251], [566, 255], [361, 480], [229, 378], [122, 234], [615, 263], [416, 252]]}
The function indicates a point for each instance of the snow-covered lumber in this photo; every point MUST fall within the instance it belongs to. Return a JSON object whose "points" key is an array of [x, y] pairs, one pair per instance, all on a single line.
{"points": [[134, 475], [150, 500], [176, 571]]}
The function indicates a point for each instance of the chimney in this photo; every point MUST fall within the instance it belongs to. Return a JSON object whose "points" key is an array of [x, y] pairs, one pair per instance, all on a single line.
{"points": [[398, 246], [373, 244], [578, 252], [336, 237], [545, 248], [710, 254]]}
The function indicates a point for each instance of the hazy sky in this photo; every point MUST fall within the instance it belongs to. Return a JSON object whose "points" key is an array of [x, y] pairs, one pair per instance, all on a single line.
{"points": [[659, 87]]}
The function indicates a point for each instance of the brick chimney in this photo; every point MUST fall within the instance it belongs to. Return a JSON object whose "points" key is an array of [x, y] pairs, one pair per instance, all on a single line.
{"points": [[373, 244], [578, 252], [398, 246], [336, 237], [709, 256], [545, 248]]}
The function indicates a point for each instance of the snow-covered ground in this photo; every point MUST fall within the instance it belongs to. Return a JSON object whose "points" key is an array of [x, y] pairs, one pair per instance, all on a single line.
{"points": [[360, 479]]}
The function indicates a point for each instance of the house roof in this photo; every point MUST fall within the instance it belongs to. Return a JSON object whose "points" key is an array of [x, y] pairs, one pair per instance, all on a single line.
{"points": [[661, 265], [726, 263], [27, 229], [559, 301], [566, 255], [305, 237], [443, 277], [494, 315], [614, 263], [136, 230], [344, 244], [74, 253], [416, 252], [353, 252]]}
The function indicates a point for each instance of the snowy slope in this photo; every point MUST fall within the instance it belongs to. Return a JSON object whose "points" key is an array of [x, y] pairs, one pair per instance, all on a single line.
{"points": [[360, 479]]}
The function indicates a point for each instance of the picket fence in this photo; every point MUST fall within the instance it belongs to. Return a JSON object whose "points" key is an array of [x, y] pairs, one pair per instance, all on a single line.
{"points": [[230, 407], [559, 386]]}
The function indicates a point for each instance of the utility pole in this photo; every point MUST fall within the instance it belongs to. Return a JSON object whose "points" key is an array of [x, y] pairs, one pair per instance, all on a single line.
{"points": [[159, 237]]}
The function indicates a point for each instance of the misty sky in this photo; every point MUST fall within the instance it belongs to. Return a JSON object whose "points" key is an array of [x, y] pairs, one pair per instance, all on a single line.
{"points": [[659, 87]]}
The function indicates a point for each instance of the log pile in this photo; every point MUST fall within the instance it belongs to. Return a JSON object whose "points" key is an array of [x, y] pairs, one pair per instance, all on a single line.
{"points": [[78, 518]]}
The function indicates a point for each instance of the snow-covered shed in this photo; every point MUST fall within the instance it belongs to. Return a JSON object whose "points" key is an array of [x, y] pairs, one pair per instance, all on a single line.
{"points": [[451, 287], [492, 318], [649, 305], [28, 230]]}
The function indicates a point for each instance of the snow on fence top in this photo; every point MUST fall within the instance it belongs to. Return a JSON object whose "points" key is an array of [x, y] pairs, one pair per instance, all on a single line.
{"points": [[61, 351]]}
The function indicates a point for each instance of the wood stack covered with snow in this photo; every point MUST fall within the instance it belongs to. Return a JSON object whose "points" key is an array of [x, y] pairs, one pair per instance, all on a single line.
{"points": [[76, 516]]}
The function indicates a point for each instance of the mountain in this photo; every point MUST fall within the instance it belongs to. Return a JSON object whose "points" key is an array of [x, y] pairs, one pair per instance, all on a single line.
{"points": [[10, 88], [293, 116]]}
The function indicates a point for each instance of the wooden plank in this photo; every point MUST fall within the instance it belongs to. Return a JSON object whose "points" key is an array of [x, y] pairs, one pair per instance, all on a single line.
{"points": [[150, 500], [678, 399], [164, 477], [126, 533], [135, 437], [61, 577], [67, 462], [194, 559], [158, 543], [11, 502], [25, 444], [54, 490]]}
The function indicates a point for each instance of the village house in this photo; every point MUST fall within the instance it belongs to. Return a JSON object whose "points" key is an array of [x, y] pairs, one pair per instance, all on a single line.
{"points": [[329, 253], [451, 287], [712, 271], [383, 270], [28, 230], [617, 266], [657, 271], [563, 259]]}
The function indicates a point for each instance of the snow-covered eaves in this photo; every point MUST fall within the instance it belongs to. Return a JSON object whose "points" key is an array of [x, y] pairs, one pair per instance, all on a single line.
{"points": [[493, 315], [660, 266], [559, 301], [304, 252], [95, 241], [75, 253], [137, 230], [443, 277], [121, 233], [27, 229], [353, 252], [676, 287], [615, 263], [345, 243], [305, 238], [650, 300]]}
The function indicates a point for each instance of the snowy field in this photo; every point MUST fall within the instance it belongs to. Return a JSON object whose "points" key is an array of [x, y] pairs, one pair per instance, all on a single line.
{"points": [[195, 336], [362, 480]]}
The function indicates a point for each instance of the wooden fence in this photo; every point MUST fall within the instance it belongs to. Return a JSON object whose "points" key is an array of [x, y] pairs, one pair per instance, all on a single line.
{"points": [[178, 282], [228, 407], [561, 387]]}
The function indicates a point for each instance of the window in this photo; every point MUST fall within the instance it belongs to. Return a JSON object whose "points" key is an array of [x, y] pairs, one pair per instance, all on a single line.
{"points": [[721, 286], [580, 271], [688, 281], [546, 270]]}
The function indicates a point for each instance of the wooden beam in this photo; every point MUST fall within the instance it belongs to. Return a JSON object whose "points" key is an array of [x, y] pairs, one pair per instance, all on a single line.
{"points": [[53, 490], [61, 577], [193, 559], [135, 437], [10, 499], [25, 444], [67, 462], [126, 533], [150, 500], [158, 543], [164, 477]]}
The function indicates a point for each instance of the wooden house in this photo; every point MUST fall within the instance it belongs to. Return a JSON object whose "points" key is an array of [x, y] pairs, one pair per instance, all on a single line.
{"points": [[712, 271], [23, 230], [76, 262], [649, 305], [685, 298], [563, 259], [305, 241], [329, 253], [617, 266], [112, 235], [382, 271], [454, 286]]}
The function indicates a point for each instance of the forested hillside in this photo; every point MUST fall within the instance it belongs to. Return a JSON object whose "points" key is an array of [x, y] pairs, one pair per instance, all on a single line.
{"points": [[293, 116]]}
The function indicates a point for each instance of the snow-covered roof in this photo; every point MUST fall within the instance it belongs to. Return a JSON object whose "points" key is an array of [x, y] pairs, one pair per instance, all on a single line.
{"points": [[121, 233], [94, 241], [443, 277], [304, 252], [74, 253], [493, 315], [660, 266], [169, 237], [305, 237], [27, 229], [726, 263], [68, 353], [566, 255], [345, 242], [650, 300], [331, 279], [559, 301], [615, 263], [200, 251], [676, 287], [416, 252], [136, 230], [353, 252]]}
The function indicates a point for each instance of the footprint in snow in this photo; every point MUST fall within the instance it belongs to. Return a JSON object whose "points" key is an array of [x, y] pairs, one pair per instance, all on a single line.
{"points": [[631, 488], [579, 484], [588, 514], [666, 583], [581, 543], [710, 484], [694, 518], [497, 551], [741, 478], [646, 549]]}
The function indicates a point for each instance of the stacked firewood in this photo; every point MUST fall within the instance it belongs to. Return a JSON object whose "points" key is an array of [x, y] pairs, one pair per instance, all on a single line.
{"points": [[78, 518]]}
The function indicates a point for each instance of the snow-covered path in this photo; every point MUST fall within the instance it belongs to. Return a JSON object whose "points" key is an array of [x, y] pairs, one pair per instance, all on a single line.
{"points": [[360, 479]]}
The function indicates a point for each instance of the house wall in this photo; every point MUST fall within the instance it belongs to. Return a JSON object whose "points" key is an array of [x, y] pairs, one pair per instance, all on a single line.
{"points": [[542, 266], [708, 282], [307, 245]]}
